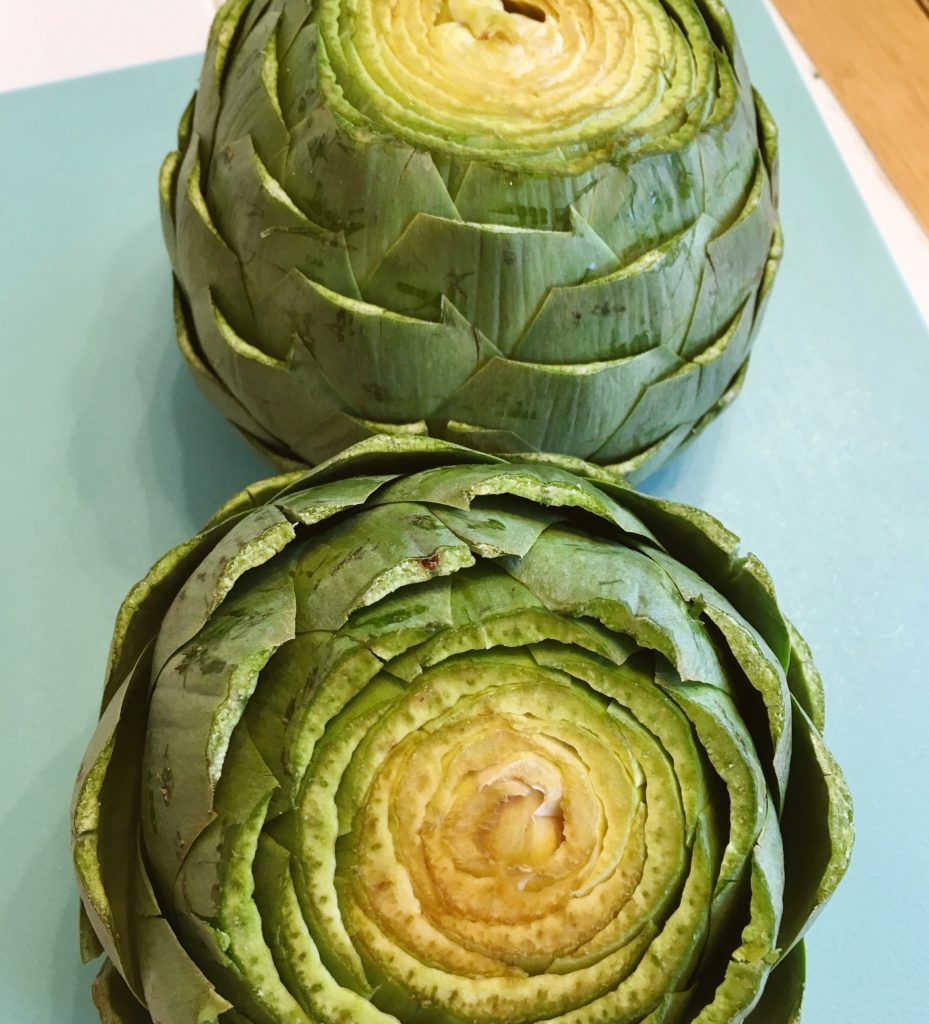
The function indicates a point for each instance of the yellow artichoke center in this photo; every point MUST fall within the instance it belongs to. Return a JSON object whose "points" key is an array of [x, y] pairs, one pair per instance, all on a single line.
{"points": [[522, 831], [495, 839], [504, 71], [513, 813], [507, 32]]}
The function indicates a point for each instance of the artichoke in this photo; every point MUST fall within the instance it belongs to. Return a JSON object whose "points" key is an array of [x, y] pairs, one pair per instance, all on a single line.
{"points": [[425, 735], [522, 225]]}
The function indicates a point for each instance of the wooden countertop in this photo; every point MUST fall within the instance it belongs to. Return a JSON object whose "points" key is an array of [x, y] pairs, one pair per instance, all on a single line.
{"points": [[875, 57]]}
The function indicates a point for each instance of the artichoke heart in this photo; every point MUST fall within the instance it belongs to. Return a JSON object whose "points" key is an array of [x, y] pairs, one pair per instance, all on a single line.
{"points": [[428, 735], [521, 225]]}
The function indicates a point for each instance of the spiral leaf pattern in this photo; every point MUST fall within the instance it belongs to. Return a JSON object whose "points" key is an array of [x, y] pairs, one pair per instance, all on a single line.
{"points": [[424, 735]]}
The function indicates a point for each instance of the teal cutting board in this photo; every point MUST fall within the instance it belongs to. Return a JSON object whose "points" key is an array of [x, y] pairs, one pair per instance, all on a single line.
{"points": [[110, 456]]}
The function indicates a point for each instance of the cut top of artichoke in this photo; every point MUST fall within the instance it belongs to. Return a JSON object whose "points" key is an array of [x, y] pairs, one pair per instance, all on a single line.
{"points": [[522, 80]]}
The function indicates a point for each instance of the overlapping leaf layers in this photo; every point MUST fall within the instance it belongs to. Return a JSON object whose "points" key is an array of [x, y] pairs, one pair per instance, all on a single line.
{"points": [[523, 226], [424, 735]]}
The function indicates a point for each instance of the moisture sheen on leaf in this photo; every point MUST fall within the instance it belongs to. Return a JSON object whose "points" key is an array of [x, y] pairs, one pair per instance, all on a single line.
{"points": [[520, 225], [426, 735]]}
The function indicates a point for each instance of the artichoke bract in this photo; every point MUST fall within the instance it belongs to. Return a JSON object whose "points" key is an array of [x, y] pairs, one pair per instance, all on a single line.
{"points": [[425, 735], [522, 225]]}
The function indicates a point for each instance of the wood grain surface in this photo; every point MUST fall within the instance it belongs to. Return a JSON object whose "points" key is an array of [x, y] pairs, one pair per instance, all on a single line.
{"points": [[874, 54]]}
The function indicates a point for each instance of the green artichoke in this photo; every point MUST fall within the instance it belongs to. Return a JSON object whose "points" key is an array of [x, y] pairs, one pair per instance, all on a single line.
{"points": [[424, 735], [522, 225]]}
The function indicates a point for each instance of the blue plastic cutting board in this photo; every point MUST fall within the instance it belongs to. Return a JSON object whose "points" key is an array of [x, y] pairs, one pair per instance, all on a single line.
{"points": [[109, 457]]}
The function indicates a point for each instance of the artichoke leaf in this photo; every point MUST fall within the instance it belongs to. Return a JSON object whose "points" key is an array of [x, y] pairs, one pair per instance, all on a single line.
{"points": [[207, 381], [224, 34], [250, 104], [334, 200], [198, 699], [296, 16], [167, 189], [690, 389], [215, 887], [625, 590], [729, 747], [397, 453], [818, 829], [750, 964], [762, 671], [586, 402], [804, 680], [495, 275], [175, 988], [356, 564], [114, 1001], [404, 618], [205, 260], [642, 305], [268, 233], [314, 505], [543, 484], [104, 808], [782, 998], [491, 195], [295, 953], [251, 543], [736, 260]]}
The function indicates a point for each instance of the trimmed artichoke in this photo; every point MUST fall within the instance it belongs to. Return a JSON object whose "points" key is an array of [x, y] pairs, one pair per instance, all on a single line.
{"points": [[523, 225], [426, 735]]}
